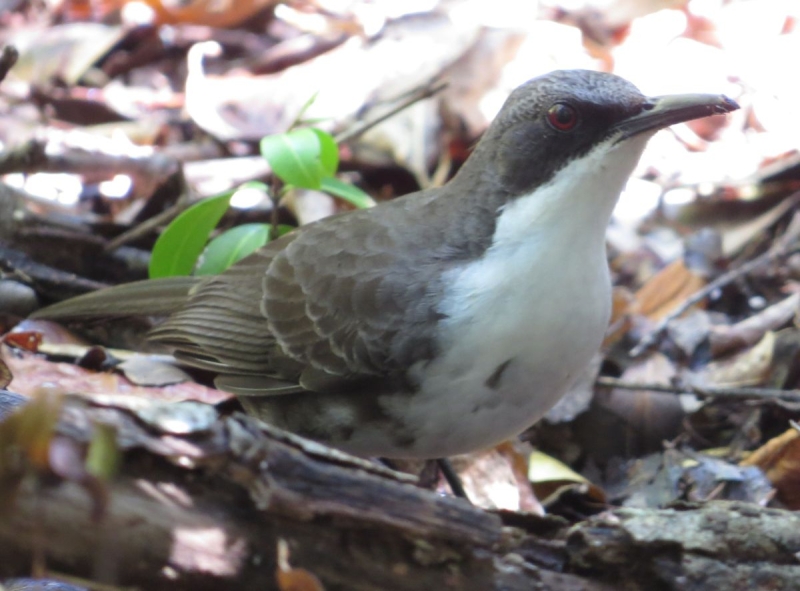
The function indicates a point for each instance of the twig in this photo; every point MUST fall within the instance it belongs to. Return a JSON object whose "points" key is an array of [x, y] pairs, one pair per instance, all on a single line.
{"points": [[781, 248], [650, 338], [706, 392], [150, 224], [416, 95]]}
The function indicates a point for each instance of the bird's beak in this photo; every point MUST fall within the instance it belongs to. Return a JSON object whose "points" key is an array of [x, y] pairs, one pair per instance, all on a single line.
{"points": [[663, 111]]}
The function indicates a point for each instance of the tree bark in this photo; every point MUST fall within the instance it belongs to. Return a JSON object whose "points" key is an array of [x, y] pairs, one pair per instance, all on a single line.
{"points": [[204, 502]]}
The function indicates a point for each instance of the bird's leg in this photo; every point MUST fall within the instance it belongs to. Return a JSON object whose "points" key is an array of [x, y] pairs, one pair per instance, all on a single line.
{"points": [[451, 476]]}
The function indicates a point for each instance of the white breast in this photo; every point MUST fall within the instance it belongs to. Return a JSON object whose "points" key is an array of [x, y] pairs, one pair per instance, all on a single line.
{"points": [[525, 319]]}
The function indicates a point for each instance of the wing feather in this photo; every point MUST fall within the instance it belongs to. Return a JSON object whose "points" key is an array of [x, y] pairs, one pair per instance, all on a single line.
{"points": [[332, 306]]}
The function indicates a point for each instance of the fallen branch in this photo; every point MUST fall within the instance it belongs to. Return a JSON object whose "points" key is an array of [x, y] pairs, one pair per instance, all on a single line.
{"points": [[204, 502], [704, 391]]}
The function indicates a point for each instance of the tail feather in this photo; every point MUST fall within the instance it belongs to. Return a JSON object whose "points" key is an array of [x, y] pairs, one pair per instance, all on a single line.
{"points": [[154, 297]]}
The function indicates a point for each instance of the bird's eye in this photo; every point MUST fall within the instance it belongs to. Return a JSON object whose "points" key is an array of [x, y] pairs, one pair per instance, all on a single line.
{"points": [[562, 117]]}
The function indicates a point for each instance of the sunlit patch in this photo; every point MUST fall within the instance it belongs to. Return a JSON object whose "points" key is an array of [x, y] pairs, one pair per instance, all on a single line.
{"points": [[208, 550], [137, 13], [116, 188], [166, 493], [679, 196], [504, 495], [638, 200], [705, 189], [15, 180], [61, 187], [706, 8], [749, 192], [306, 21], [757, 302], [247, 197]]}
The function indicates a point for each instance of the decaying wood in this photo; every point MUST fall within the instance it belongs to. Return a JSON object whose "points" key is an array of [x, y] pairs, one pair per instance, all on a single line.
{"points": [[202, 502]]}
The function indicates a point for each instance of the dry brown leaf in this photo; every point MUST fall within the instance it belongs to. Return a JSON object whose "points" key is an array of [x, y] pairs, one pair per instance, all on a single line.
{"points": [[779, 459], [294, 579], [31, 372], [667, 289], [25, 340], [213, 13], [298, 579], [748, 368]]}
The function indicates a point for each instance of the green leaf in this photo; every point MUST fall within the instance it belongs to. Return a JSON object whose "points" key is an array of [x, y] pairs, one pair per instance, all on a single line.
{"points": [[177, 249], [346, 191], [328, 152], [295, 157], [283, 229], [252, 185], [231, 246]]}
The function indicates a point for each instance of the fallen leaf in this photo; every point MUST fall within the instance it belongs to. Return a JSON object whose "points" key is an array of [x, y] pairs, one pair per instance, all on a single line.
{"points": [[27, 341], [547, 475], [213, 13], [779, 459], [32, 371], [294, 579], [748, 368], [667, 289], [148, 370], [751, 330]]}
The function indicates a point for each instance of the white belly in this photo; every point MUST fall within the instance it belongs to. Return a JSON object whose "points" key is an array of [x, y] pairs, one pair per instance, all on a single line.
{"points": [[510, 360]]}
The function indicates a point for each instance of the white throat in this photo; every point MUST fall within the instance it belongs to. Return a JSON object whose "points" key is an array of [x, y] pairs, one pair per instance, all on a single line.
{"points": [[555, 233], [574, 208], [526, 318]]}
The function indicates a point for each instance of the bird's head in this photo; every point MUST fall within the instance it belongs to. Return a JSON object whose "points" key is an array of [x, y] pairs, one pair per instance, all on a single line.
{"points": [[556, 119]]}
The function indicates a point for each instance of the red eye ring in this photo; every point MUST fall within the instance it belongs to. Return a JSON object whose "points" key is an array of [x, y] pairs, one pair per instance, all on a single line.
{"points": [[562, 117]]}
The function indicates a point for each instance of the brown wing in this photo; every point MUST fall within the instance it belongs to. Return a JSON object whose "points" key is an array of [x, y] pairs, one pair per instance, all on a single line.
{"points": [[329, 306], [353, 299], [221, 327]]}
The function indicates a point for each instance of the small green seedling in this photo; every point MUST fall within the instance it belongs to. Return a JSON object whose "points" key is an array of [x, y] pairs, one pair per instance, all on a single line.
{"points": [[305, 158]]}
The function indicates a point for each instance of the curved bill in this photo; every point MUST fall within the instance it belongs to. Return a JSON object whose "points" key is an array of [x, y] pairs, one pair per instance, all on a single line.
{"points": [[663, 111]]}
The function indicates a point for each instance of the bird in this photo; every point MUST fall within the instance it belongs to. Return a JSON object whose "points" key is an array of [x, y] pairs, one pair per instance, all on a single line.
{"points": [[441, 322]]}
